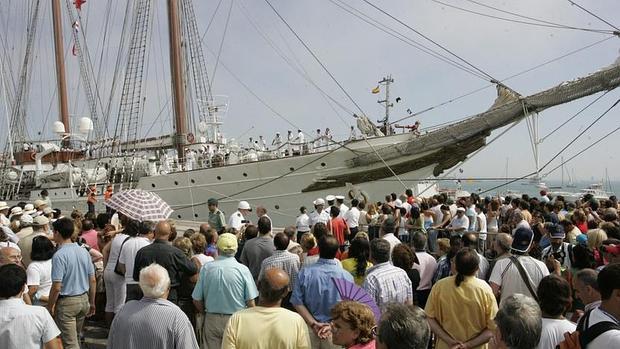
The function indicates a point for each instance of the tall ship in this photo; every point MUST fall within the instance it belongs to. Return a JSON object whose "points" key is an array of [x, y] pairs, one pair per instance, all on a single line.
{"points": [[196, 161]]}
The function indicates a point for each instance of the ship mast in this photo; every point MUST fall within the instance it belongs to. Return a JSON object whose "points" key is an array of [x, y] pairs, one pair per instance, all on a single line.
{"points": [[386, 120], [176, 71], [60, 68]]}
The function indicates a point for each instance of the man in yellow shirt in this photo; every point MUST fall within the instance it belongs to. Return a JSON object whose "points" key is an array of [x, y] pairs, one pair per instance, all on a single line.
{"points": [[267, 326], [461, 308]]}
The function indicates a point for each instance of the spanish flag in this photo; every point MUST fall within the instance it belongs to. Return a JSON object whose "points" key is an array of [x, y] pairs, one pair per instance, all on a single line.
{"points": [[376, 90]]}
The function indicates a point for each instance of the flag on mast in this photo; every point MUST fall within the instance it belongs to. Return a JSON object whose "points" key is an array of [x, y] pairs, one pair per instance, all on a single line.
{"points": [[376, 90]]}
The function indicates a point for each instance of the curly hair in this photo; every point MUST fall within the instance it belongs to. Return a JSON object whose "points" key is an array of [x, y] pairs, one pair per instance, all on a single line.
{"points": [[403, 257], [198, 242], [357, 315], [185, 245]]}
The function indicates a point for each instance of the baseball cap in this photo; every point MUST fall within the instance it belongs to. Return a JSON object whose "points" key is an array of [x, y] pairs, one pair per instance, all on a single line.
{"points": [[40, 220], [318, 201], [556, 231], [227, 242], [25, 219], [582, 239], [522, 239], [244, 205]]}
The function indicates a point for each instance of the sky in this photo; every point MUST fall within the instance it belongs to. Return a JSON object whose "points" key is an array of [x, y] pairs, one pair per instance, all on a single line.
{"points": [[260, 56]]}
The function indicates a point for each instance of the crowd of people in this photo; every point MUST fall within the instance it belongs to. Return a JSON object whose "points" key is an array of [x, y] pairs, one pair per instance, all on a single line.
{"points": [[472, 272]]}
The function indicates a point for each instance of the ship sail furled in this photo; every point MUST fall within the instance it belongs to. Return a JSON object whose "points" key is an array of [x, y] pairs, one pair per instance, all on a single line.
{"points": [[451, 144]]}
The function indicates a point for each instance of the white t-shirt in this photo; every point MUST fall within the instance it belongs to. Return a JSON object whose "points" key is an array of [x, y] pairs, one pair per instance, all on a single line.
{"points": [[427, 268], [482, 226], [343, 210], [352, 217], [608, 339], [511, 282], [115, 249], [39, 273], [128, 256], [393, 240], [553, 332], [460, 222]]}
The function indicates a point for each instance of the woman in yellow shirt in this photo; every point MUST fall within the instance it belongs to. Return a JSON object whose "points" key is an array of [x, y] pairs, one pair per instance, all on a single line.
{"points": [[357, 263]]}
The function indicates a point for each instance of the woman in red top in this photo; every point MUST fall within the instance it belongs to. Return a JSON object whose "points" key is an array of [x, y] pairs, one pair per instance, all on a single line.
{"points": [[338, 226]]}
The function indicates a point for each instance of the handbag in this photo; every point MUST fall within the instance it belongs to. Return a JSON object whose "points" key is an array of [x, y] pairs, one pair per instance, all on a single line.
{"points": [[116, 270]]}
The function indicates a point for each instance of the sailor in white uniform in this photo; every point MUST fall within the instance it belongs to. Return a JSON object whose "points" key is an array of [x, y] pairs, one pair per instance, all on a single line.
{"points": [[289, 143], [300, 140], [319, 214], [352, 135], [190, 159], [331, 200], [262, 145], [316, 143], [340, 204], [327, 139], [240, 218], [277, 143]]}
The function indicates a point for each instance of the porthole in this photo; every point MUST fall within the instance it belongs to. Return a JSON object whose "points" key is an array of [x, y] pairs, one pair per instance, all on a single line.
{"points": [[179, 216], [176, 183], [153, 185], [323, 164], [195, 215], [219, 178], [193, 181], [245, 174], [292, 169], [277, 207], [65, 193]]}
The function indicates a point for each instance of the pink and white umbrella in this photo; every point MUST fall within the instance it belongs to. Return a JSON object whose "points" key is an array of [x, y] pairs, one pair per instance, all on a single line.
{"points": [[140, 205]]}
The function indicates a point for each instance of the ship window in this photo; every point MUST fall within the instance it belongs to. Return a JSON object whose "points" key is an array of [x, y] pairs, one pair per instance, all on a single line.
{"points": [[245, 174], [277, 207], [179, 216], [176, 183], [219, 178], [322, 164], [292, 169], [193, 181], [196, 215], [65, 193], [153, 185]]}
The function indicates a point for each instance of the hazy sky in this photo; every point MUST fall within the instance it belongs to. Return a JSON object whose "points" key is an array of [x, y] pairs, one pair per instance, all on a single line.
{"points": [[261, 52]]}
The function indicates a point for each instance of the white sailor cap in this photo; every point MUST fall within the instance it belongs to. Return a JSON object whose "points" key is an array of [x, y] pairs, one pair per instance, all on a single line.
{"points": [[318, 201], [339, 197], [330, 198]]}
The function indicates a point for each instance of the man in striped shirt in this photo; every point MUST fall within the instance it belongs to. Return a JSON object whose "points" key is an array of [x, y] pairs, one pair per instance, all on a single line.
{"points": [[153, 321], [282, 259], [384, 282]]}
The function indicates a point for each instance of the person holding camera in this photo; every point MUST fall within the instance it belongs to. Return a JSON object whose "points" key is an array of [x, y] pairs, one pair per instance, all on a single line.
{"points": [[241, 217]]}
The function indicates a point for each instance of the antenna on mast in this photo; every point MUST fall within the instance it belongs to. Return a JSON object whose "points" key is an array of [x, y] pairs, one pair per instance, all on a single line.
{"points": [[386, 81]]}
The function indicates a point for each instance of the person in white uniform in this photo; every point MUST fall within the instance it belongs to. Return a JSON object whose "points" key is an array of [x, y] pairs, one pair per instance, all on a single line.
{"points": [[240, 218]]}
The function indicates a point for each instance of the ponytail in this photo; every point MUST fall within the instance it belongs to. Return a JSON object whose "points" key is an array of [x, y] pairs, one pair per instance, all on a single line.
{"points": [[459, 278]]}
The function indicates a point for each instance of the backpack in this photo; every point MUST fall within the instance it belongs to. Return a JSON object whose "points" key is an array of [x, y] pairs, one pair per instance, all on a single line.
{"points": [[588, 333]]}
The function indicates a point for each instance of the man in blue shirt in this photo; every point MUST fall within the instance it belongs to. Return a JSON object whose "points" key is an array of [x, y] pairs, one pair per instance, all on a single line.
{"points": [[224, 286], [314, 294], [72, 297]]}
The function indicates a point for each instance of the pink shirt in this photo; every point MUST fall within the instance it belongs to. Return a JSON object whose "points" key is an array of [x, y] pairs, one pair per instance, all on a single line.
{"points": [[90, 236], [369, 345]]}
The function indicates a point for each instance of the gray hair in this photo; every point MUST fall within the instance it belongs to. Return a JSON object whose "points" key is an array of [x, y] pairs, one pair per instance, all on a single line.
{"points": [[154, 281], [588, 277], [519, 322], [403, 326], [504, 241]]}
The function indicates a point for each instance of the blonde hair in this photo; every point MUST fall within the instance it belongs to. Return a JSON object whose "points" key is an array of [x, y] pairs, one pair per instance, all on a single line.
{"points": [[185, 245], [357, 315], [444, 245], [307, 242], [596, 238]]}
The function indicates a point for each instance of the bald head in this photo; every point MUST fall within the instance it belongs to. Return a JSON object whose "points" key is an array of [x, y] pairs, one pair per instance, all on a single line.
{"points": [[162, 230], [204, 228], [273, 287], [503, 242], [10, 255]]}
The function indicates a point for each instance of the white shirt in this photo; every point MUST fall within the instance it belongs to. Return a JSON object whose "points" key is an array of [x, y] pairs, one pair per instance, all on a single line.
{"points": [[438, 214], [352, 217], [115, 249], [302, 223], [482, 226], [235, 220], [483, 267], [343, 210], [316, 217], [427, 268], [393, 240], [4, 220], [25, 326], [39, 273], [511, 282], [553, 332], [128, 256], [462, 222], [609, 339]]}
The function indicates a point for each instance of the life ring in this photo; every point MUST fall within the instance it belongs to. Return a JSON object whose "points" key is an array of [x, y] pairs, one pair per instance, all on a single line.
{"points": [[191, 138], [33, 156]]}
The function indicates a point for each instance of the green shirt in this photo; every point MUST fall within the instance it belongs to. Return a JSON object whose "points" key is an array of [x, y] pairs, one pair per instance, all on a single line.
{"points": [[217, 220]]}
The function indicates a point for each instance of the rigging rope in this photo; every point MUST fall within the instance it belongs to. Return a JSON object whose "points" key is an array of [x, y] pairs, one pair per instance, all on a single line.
{"points": [[593, 15], [558, 153], [219, 52]]}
